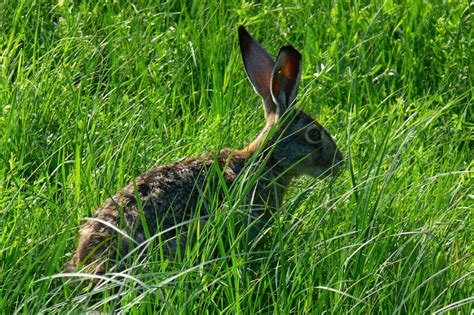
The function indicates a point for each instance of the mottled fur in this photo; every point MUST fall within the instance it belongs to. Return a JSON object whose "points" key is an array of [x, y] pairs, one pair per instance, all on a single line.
{"points": [[168, 195]]}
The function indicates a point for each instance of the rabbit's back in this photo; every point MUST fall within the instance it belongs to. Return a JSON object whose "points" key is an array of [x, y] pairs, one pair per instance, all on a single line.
{"points": [[162, 198]]}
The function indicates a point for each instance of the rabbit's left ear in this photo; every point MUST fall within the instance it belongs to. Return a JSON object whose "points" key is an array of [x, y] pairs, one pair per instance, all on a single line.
{"points": [[286, 77], [259, 66]]}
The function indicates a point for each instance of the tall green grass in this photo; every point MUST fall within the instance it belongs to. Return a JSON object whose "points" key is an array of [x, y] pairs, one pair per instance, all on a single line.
{"points": [[93, 94]]}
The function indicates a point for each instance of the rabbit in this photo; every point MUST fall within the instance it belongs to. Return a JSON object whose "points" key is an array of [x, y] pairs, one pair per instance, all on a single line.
{"points": [[166, 196]]}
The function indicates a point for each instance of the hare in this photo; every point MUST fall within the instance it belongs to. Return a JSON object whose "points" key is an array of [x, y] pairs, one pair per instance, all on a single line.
{"points": [[167, 195]]}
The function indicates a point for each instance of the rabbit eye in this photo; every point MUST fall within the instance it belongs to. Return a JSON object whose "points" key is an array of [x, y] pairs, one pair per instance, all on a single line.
{"points": [[313, 135]]}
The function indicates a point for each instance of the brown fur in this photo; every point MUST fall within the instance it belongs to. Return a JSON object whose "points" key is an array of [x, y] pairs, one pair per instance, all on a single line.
{"points": [[168, 197]]}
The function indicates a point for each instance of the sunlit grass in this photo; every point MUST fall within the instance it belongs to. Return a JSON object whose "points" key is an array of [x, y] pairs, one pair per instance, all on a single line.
{"points": [[93, 95]]}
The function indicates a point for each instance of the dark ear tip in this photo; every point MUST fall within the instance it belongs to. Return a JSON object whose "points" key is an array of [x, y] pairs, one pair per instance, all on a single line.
{"points": [[243, 32], [290, 50]]}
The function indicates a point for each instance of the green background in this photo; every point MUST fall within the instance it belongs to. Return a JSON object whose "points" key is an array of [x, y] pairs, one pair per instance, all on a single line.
{"points": [[93, 94]]}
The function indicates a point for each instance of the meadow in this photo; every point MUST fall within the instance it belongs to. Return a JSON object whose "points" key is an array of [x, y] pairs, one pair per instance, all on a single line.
{"points": [[93, 94]]}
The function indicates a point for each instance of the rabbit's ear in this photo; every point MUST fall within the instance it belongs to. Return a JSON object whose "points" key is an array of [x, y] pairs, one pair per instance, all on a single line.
{"points": [[286, 77], [258, 65]]}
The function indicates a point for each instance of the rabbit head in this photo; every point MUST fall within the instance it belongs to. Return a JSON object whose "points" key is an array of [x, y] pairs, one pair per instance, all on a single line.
{"points": [[300, 145]]}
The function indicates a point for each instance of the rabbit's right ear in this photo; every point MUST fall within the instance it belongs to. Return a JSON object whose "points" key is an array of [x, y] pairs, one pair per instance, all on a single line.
{"points": [[286, 77], [259, 66]]}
